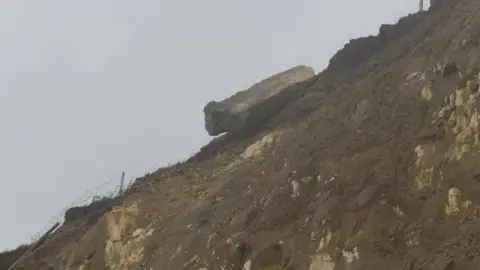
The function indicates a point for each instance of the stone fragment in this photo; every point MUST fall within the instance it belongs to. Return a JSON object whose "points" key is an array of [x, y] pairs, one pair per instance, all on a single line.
{"points": [[455, 202], [449, 68], [253, 106], [472, 86], [427, 93]]}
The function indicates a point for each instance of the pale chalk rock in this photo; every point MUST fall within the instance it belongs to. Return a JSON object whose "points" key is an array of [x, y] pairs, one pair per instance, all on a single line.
{"points": [[455, 203], [427, 93], [253, 106]]}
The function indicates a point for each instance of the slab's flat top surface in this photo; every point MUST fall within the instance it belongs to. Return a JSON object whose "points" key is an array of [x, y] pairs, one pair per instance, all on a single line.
{"points": [[265, 89]]}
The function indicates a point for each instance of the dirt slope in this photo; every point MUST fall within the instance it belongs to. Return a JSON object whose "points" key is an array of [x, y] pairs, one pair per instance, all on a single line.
{"points": [[373, 167]]}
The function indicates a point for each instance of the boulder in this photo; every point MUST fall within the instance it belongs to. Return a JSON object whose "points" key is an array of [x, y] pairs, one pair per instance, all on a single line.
{"points": [[254, 105]]}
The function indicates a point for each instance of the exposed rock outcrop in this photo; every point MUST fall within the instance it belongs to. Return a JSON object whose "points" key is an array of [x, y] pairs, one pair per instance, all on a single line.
{"points": [[122, 243], [254, 105]]}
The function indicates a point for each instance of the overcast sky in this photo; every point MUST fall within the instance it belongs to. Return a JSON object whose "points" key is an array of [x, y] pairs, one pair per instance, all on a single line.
{"points": [[91, 88]]}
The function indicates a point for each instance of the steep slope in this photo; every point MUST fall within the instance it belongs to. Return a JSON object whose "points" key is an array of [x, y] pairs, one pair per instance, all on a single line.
{"points": [[373, 166]]}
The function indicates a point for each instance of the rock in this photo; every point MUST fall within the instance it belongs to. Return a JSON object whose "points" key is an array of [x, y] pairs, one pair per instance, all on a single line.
{"points": [[449, 69], [257, 148], [455, 202], [322, 261], [426, 92], [412, 76], [469, 79], [192, 261], [461, 97], [254, 105], [138, 232], [472, 86], [122, 221]]}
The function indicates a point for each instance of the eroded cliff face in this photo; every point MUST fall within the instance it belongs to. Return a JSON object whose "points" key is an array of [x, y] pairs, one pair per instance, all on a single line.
{"points": [[379, 172], [359, 50], [123, 232]]}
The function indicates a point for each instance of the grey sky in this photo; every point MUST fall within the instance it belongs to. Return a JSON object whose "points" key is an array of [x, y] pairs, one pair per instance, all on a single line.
{"points": [[89, 89]]}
